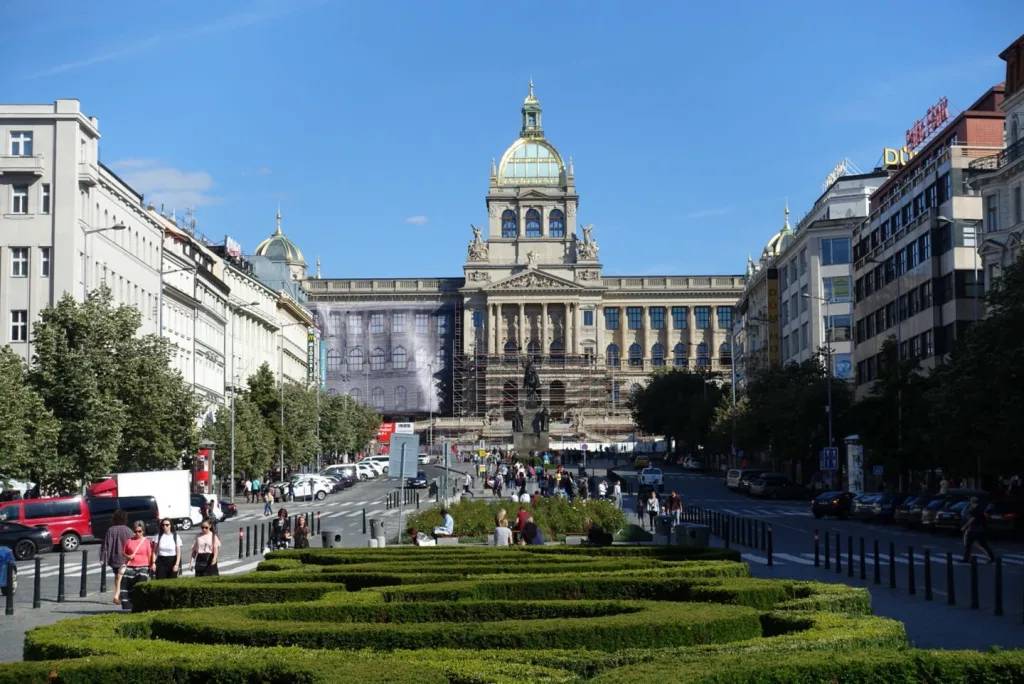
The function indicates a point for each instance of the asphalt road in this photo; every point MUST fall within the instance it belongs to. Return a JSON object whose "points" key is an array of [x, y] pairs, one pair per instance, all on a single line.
{"points": [[341, 513]]}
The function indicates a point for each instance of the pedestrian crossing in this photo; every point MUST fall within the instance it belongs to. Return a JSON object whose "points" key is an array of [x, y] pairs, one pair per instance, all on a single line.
{"points": [[939, 558], [766, 512], [304, 506]]}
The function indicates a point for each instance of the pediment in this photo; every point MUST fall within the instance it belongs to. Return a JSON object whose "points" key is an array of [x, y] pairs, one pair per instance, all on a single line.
{"points": [[535, 193], [532, 279], [994, 244]]}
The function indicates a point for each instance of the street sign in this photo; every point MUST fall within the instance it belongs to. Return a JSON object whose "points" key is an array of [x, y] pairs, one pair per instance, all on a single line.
{"points": [[877, 470], [829, 458], [583, 447], [399, 466], [404, 428]]}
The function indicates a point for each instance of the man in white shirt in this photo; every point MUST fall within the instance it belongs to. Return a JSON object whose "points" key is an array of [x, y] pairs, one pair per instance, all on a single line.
{"points": [[447, 526]]}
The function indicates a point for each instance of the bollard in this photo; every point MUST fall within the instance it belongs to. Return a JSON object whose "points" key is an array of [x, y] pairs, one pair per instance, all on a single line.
{"points": [[263, 537], [863, 567], [974, 583], [318, 522], [770, 550], [817, 550], [9, 603], [725, 530], [878, 566], [892, 565], [999, 587], [417, 500], [241, 534], [60, 577], [37, 585], [828, 564], [364, 521], [849, 556], [248, 540], [85, 575], [911, 585], [927, 574], [839, 554], [950, 580], [103, 577]]}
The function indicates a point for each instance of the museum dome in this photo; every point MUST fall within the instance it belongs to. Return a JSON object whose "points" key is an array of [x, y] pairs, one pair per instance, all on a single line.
{"points": [[779, 240], [531, 160], [278, 247]]}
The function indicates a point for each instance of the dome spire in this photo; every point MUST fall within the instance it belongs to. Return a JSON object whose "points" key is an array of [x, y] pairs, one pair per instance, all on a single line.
{"points": [[277, 228], [531, 116], [785, 224]]}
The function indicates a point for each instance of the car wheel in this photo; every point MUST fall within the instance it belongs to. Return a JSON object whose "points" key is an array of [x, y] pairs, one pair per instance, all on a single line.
{"points": [[70, 541], [385, 470], [185, 524], [24, 549], [321, 495]]}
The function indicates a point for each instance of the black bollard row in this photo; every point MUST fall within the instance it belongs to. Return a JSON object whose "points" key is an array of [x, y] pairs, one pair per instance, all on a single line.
{"points": [[892, 565], [103, 577], [82, 589], [974, 583], [248, 540], [911, 584], [9, 603], [828, 564], [241, 534], [37, 585], [877, 562], [998, 609], [849, 556], [770, 546], [60, 577], [839, 554], [817, 550]]}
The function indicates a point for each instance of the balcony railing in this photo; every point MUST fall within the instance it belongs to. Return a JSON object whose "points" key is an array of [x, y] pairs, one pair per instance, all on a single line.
{"points": [[21, 164], [994, 162]]}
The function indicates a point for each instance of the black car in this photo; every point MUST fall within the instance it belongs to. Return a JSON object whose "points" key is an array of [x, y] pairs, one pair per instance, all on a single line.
{"points": [[101, 512], [836, 504], [1005, 517], [951, 516], [24, 541], [777, 486], [418, 482]]}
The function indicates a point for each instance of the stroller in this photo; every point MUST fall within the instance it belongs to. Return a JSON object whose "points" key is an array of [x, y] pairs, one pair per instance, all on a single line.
{"points": [[130, 578]]}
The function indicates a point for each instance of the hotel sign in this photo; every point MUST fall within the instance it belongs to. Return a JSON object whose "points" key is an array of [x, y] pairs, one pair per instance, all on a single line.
{"points": [[937, 115], [893, 158]]}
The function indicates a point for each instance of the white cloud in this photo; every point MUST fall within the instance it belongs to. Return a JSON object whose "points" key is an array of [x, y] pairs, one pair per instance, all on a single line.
{"points": [[417, 220], [708, 213], [166, 185], [263, 171]]}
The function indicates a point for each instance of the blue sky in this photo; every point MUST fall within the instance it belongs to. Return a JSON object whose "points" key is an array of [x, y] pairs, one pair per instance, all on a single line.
{"points": [[373, 124]]}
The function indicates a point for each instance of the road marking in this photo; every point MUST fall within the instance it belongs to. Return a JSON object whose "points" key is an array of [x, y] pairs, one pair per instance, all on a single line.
{"points": [[795, 559], [756, 559]]}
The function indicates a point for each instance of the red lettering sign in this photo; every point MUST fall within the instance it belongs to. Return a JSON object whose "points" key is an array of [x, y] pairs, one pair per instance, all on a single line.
{"points": [[384, 433], [924, 127]]}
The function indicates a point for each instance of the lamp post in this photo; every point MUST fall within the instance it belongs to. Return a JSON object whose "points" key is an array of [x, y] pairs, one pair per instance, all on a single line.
{"points": [[234, 308], [86, 232]]}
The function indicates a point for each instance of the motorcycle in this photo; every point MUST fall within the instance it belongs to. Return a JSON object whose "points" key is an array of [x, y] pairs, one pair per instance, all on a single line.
{"points": [[130, 578]]}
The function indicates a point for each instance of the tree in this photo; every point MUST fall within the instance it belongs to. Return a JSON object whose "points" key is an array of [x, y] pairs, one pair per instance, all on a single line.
{"points": [[254, 443], [300, 424], [345, 424], [678, 404], [28, 431]]}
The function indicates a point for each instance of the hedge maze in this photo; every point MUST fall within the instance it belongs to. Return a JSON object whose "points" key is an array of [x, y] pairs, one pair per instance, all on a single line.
{"points": [[474, 614]]}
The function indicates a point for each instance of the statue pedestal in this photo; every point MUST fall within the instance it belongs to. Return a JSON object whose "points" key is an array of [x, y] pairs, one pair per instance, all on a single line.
{"points": [[529, 440]]}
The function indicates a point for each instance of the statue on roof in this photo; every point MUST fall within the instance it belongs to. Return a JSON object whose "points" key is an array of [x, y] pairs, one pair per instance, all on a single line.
{"points": [[587, 250], [477, 249]]}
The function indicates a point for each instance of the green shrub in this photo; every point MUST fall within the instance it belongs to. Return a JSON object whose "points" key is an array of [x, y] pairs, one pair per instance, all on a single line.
{"points": [[555, 516]]}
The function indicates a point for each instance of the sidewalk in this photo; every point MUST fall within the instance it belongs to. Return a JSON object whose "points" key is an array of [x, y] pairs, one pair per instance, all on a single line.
{"points": [[13, 627]]}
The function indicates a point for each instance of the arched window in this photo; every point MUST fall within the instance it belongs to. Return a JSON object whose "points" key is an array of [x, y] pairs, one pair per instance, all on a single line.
{"points": [[611, 356], [509, 229], [636, 355], [333, 360], [679, 355], [556, 223], [356, 394], [355, 359], [378, 398], [398, 358], [658, 354], [532, 223], [533, 349], [725, 354], [511, 348], [702, 355], [377, 359], [401, 396]]}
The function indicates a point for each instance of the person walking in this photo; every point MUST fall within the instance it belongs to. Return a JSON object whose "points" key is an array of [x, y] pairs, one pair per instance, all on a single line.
{"points": [[617, 494], [168, 551], [247, 490], [974, 531], [112, 548], [301, 535], [675, 507], [653, 507], [280, 532], [205, 552], [256, 488], [268, 503], [467, 483]]}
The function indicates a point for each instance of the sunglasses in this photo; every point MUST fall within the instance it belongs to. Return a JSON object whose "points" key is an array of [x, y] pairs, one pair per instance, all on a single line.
{"points": [[166, 524], [206, 527], [139, 529]]}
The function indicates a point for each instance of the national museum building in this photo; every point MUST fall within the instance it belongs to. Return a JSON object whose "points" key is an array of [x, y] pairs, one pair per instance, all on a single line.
{"points": [[533, 286]]}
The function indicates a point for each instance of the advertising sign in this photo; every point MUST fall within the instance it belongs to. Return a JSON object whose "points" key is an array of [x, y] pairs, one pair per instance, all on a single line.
{"points": [[928, 124], [402, 457], [310, 356], [855, 467], [405, 428], [384, 433]]}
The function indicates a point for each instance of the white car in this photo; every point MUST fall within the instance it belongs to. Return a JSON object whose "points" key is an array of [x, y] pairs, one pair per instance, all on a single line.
{"points": [[379, 463], [652, 477], [312, 487], [424, 459], [691, 463], [365, 471]]}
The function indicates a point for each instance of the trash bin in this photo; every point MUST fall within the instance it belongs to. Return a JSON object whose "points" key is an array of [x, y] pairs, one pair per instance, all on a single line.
{"points": [[376, 528], [692, 535], [663, 524], [330, 539]]}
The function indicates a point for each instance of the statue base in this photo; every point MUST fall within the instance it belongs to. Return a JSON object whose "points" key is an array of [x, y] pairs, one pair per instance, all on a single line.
{"points": [[530, 440]]}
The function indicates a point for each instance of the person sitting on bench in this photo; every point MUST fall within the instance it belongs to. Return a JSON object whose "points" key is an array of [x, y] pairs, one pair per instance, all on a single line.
{"points": [[447, 526]]}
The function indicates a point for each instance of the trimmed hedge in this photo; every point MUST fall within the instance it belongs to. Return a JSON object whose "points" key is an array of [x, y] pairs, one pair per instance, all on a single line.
{"points": [[474, 615]]}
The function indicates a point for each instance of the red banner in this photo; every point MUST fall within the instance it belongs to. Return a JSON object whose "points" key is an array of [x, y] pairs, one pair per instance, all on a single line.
{"points": [[384, 433]]}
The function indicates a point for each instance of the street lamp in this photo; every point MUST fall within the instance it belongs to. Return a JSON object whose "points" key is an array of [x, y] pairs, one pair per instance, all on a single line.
{"points": [[234, 388], [974, 226], [85, 252]]}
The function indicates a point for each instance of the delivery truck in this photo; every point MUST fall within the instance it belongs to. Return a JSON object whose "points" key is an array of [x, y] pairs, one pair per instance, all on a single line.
{"points": [[170, 488]]}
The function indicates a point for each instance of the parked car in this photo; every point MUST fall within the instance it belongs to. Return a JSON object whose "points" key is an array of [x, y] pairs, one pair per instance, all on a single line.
{"points": [[418, 482], [345, 471], [777, 486], [101, 512], [931, 511], [65, 517], [652, 477], [24, 541], [365, 471], [230, 510], [747, 477], [835, 504], [909, 511], [951, 516], [876, 507], [691, 463], [7, 561], [1005, 517], [424, 459], [861, 506], [311, 487]]}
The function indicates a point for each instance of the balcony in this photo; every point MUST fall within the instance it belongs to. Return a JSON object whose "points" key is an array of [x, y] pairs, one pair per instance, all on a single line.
{"points": [[996, 162], [32, 165], [88, 173]]}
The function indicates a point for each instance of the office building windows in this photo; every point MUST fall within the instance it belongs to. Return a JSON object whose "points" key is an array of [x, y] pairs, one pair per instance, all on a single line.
{"points": [[376, 323], [588, 317], [19, 199], [634, 317], [679, 314], [803, 299], [44, 262], [702, 317], [724, 317], [657, 317], [837, 289], [611, 318], [21, 143], [422, 321], [19, 262], [803, 337], [44, 198], [1018, 210], [19, 325], [835, 251], [840, 327], [991, 213], [398, 323]]}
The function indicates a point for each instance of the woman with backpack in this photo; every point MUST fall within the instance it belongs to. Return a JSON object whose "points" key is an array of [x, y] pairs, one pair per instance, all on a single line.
{"points": [[205, 552], [112, 549], [167, 558], [653, 507]]}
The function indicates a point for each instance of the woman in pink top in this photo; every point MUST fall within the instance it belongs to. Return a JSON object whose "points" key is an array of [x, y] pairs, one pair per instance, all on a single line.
{"points": [[138, 551]]}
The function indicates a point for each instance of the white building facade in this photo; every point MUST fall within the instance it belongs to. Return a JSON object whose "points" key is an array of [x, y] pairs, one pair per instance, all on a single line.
{"points": [[67, 223]]}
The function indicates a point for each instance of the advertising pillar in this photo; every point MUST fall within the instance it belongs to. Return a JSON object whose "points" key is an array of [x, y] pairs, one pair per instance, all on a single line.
{"points": [[855, 464]]}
